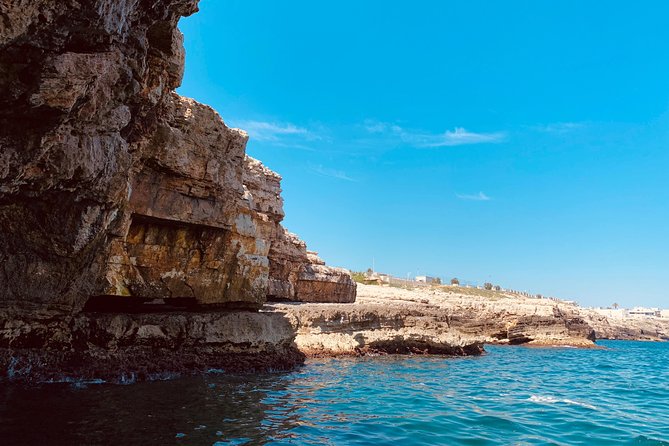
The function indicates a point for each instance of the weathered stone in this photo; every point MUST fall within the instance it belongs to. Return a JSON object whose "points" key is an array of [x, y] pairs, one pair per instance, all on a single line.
{"points": [[112, 184], [432, 320], [84, 87], [629, 328], [295, 274], [300, 275], [122, 347], [114, 189], [319, 283]]}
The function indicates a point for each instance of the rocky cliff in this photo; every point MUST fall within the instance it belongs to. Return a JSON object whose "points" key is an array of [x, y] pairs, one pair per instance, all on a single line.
{"points": [[640, 329], [118, 195], [449, 320], [295, 273], [137, 239]]}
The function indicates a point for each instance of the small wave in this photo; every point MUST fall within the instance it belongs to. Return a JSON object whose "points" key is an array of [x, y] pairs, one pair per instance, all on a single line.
{"points": [[553, 400], [643, 440], [76, 383]]}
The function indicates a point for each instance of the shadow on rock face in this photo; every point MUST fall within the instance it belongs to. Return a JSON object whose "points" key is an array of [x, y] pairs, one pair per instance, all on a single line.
{"points": [[121, 348]]}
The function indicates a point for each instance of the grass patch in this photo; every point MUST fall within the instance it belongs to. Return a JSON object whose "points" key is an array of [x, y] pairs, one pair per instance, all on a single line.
{"points": [[488, 294]]}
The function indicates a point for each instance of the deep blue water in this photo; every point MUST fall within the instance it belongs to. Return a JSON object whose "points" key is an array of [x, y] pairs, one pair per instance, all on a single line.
{"points": [[512, 395]]}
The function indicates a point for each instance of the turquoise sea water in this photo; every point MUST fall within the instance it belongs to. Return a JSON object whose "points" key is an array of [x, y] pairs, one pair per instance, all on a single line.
{"points": [[512, 395]]}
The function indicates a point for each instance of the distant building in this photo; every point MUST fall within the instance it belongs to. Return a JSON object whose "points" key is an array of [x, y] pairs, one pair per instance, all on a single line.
{"points": [[664, 314], [379, 278], [385, 278], [643, 312], [425, 279]]}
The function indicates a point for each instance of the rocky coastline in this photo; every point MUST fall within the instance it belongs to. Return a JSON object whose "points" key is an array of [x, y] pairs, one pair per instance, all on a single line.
{"points": [[136, 236], [433, 320], [139, 241], [628, 329]]}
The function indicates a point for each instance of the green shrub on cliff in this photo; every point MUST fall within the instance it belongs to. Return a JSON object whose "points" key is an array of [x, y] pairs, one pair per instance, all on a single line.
{"points": [[358, 276]]}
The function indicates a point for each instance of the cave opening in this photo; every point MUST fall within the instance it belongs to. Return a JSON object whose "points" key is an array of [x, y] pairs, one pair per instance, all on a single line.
{"points": [[124, 304]]}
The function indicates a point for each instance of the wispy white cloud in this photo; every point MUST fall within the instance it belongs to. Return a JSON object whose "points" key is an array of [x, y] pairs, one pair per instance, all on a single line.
{"points": [[474, 197], [273, 131], [332, 173], [560, 127], [456, 137], [294, 145], [375, 126]]}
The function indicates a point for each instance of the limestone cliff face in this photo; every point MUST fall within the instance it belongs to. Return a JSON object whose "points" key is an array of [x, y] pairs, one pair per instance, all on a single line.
{"points": [[114, 190], [433, 320], [85, 87], [643, 329], [113, 185], [191, 232], [295, 274]]}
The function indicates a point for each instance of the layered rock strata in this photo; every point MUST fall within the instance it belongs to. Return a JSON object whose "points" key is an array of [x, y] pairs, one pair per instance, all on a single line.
{"points": [[122, 347], [115, 192], [639, 329], [431, 320], [295, 273]]}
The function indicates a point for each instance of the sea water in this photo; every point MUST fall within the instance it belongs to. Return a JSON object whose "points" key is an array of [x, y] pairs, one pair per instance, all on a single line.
{"points": [[511, 395]]}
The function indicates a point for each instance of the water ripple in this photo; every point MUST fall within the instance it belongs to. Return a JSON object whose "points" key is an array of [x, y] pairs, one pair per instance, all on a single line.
{"points": [[512, 395]]}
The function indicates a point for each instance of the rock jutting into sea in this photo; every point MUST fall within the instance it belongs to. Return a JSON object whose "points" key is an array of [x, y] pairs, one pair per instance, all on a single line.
{"points": [[629, 328], [450, 320]]}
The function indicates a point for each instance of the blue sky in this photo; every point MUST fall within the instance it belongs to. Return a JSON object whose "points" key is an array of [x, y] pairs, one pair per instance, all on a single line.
{"points": [[524, 143]]}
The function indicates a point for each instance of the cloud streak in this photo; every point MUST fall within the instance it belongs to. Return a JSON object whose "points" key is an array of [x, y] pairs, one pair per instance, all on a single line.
{"points": [[331, 173], [457, 137], [560, 127], [474, 197]]}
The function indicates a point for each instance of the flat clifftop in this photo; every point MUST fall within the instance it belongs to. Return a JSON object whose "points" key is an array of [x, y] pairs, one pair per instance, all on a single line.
{"points": [[433, 320]]}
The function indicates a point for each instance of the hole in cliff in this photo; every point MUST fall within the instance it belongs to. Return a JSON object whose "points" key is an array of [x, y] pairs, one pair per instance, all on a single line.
{"points": [[160, 36], [519, 340], [123, 304]]}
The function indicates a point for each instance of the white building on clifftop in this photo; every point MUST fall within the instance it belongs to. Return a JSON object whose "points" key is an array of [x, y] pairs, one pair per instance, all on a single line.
{"points": [[425, 279], [644, 312]]}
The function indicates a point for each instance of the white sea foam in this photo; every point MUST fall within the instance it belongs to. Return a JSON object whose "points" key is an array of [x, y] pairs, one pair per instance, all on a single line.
{"points": [[553, 400]]}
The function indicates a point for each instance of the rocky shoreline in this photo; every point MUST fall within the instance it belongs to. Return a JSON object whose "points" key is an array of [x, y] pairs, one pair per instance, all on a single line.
{"points": [[128, 347], [629, 329], [432, 321], [122, 348], [136, 236], [139, 241]]}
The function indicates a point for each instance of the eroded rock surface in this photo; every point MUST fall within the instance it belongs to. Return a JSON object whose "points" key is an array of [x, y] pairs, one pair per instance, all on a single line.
{"points": [[431, 320], [113, 187], [295, 273], [112, 184], [640, 329], [133, 347]]}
